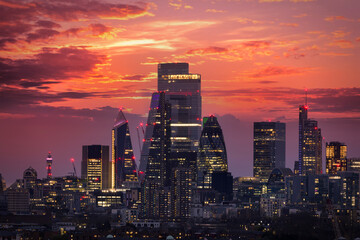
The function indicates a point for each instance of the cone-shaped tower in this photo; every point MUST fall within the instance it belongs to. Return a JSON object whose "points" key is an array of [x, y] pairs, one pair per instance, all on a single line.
{"points": [[122, 155]]}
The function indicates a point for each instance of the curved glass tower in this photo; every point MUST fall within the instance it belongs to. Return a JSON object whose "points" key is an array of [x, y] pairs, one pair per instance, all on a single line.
{"points": [[122, 155], [212, 152]]}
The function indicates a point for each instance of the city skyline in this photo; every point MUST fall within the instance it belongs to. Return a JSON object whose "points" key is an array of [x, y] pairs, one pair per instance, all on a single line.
{"points": [[63, 79]]}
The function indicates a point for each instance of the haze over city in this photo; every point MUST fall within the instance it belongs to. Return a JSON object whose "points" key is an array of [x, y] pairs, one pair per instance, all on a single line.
{"points": [[67, 67]]}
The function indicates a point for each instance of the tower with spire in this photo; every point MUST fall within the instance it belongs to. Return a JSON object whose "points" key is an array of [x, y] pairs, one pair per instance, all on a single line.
{"points": [[310, 143], [122, 155]]}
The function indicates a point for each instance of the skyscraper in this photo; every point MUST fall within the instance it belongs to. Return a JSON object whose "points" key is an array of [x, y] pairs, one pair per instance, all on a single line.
{"points": [[49, 165], [269, 148], [122, 155], [183, 91], [212, 152], [154, 163], [95, 167], [310, 144], [156, 143], [336, 157]]}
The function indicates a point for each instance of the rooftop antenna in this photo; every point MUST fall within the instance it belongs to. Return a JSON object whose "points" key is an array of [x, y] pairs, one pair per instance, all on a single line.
{"points": [[306, 91]]}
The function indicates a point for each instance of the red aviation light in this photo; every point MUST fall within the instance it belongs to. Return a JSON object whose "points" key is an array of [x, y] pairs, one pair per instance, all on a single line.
{"points": [[141, 172], [133, 157], [141, 124], [316, 128], [134, 171], [72, 159], [154, 123], [306, 107], [143, 139]]}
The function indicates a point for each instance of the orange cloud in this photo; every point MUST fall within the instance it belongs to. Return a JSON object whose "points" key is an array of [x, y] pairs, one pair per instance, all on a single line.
{"points": [[178, 4], [206, 51], [248, 20], [342, 43], [215, 11], [334, 18], [340, 34], [289, 24]]}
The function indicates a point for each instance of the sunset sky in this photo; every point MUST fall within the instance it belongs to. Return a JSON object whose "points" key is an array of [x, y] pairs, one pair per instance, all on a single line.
{"points": [[67, 66]]}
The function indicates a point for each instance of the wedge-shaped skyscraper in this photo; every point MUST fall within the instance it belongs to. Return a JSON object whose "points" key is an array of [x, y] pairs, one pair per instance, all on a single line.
{"points": [[212, 152], [122, 155]]}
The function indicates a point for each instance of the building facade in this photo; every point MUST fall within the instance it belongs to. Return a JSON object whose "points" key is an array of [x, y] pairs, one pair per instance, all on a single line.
{"points": [[183, 92], [122, 156], [336, 160], [310, 144], [212, 152], [269, 148], [95, 167]]}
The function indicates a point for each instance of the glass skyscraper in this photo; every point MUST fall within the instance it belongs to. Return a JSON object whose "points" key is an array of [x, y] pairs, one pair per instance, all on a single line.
{"points": [[183, 91], [310, 144], [95, 167], [269, 148], [212, 152], [336, 160], [122, 155], [156, 144]]}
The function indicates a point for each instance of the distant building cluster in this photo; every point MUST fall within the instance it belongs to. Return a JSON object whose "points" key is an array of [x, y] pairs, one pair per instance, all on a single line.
{"points": [[183, 172]]}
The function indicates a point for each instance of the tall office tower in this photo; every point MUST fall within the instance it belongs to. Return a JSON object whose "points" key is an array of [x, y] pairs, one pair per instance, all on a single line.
{"points": [[212, 152], [310, 144], [155, 152], [353, 164], [336, 157], [183, 91], [155, 162], [269, 148], [95, 167], [48, 165], [122, 155]]}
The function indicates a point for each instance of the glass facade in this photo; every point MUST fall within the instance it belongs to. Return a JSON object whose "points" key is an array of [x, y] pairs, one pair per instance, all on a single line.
{"points": [[95, 167], [269, 148], [123, 159], [212, 152], [156, 144], [183, 91], [310, 144], [336, 161]]}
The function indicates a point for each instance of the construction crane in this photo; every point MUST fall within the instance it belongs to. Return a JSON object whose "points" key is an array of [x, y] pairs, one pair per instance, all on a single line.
{"points": [[73, 164]]}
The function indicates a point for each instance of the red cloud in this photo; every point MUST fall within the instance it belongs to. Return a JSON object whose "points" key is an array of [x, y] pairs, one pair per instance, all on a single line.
{"points": [[275, 71], [50, 64], [43, 33]]}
